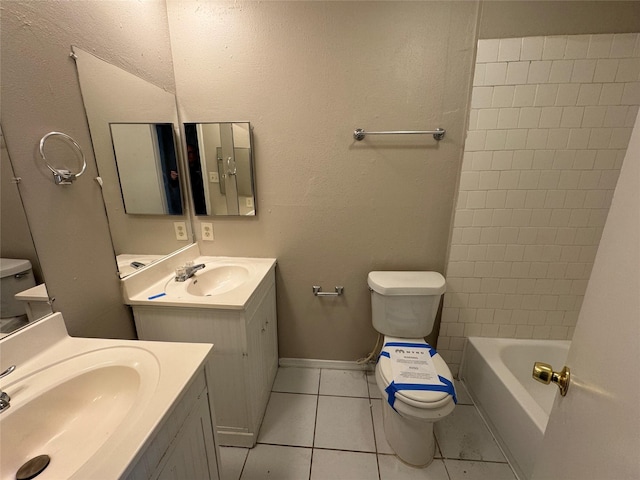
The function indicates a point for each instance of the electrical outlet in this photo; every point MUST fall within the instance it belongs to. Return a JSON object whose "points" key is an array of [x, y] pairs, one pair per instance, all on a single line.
{"points": [[207, 231], [181, 230], [213, 177], [249, 202]]}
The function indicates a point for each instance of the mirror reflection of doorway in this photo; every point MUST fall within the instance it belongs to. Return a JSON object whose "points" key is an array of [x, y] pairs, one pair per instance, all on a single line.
{"points": [[147, 168], [194, 166], [221, 168], [169, 165]]}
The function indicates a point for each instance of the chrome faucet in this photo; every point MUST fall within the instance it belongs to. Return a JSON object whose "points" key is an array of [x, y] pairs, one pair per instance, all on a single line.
{"points": [[185, 273], [4, 396]]}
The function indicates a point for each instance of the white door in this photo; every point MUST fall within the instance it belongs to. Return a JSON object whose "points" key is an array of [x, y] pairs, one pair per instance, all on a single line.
{"points": [[594, 431]]}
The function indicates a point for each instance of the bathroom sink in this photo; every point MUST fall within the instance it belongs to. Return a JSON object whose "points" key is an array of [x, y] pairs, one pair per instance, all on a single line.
{"points": [[224, 282], [70, 409], [215, 280], [93, 405]]}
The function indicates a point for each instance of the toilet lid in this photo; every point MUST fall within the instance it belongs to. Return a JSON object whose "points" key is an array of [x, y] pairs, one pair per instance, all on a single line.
{"points": [[406, 283], [395, 350], [13, 266]]}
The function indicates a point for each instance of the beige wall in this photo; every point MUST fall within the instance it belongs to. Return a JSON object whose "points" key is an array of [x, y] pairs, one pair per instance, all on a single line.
{"points": [[305, 74], [525, 18]]}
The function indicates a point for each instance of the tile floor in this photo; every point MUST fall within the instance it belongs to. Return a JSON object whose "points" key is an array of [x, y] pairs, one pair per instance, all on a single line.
{"points": [[327, 425]]}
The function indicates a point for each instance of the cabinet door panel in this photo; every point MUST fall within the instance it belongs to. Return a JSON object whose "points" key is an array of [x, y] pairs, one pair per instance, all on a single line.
{"points": [[270, 339], [255, 370], [193, 455]]}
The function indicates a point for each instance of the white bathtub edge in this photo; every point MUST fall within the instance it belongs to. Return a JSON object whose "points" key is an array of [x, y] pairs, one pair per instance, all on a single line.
{"points": [[513, 416]]}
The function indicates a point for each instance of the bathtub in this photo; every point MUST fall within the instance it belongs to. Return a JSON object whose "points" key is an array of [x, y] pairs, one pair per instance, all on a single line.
{"points": [[497, 373]]}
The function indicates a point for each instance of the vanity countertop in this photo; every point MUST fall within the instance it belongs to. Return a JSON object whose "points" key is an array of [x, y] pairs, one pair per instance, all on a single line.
{"points": [[223, 283], [125, 260], [56, 373]]}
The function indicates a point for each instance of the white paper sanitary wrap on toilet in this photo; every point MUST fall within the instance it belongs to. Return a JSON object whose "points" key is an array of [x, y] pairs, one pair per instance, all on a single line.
{"points": [[413, 365], [413, 369]]}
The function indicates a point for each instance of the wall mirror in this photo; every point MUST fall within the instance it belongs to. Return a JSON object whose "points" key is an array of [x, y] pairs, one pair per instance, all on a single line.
{"points": [[133, 126], [146, 160], [16, 243], [221, 169]]}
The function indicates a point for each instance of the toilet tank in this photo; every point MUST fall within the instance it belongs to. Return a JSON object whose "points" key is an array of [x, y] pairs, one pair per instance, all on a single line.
{"points": [[16, 276], [405, 304]]}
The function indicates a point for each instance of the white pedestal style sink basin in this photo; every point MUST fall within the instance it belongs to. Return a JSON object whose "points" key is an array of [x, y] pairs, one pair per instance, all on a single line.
{"points": [[89, 404]]}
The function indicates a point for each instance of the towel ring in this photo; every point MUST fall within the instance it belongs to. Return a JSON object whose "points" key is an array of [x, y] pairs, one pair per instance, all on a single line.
{"points": [[62, 176]]}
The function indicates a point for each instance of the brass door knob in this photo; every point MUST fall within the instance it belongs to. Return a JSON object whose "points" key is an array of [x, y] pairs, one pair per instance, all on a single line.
{"points": [[543, 373]]}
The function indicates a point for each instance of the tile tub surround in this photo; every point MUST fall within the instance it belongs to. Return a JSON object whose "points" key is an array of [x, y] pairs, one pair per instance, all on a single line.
{"points": [[327, 424], [549, 125]]}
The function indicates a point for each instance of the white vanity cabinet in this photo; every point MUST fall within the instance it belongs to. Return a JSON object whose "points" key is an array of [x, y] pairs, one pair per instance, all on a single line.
{"points": [[184, 447], [245, 354], [190, 457]]}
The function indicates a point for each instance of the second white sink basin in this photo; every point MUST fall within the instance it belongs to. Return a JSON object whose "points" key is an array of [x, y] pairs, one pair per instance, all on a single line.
{"points": [[212, 280], [70, 409]]}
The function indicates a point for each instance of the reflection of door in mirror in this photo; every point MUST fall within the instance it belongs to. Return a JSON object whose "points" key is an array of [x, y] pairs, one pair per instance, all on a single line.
{"points": [[147, 168], [221, 168], [195, 158], [16, 244]]}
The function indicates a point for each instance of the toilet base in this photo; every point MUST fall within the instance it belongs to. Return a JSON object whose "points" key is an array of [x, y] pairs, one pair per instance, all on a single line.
{"points": [[412, 440]]}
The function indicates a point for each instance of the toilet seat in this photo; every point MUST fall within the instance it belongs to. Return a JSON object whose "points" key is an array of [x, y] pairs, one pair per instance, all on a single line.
{"points": [[425, 401]]}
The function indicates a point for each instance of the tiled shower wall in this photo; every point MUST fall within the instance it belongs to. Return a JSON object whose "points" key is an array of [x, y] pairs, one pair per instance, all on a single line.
{"points": [[549, 125]]}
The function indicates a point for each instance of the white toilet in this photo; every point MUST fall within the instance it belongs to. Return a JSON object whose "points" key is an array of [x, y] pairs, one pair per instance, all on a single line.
{"points": [[15, 276], [415, 382]]}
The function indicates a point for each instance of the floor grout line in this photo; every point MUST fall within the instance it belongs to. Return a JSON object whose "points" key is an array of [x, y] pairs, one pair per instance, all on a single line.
{"points": [[375, 437], [315, 424]]}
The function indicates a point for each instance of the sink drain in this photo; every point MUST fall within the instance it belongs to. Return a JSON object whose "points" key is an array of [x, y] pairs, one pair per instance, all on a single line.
{"points": [[33, 467]]}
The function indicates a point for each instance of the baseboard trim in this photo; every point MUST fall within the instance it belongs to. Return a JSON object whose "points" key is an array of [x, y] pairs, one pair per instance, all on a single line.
{"points": [[228, 438], [327, 364]]}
